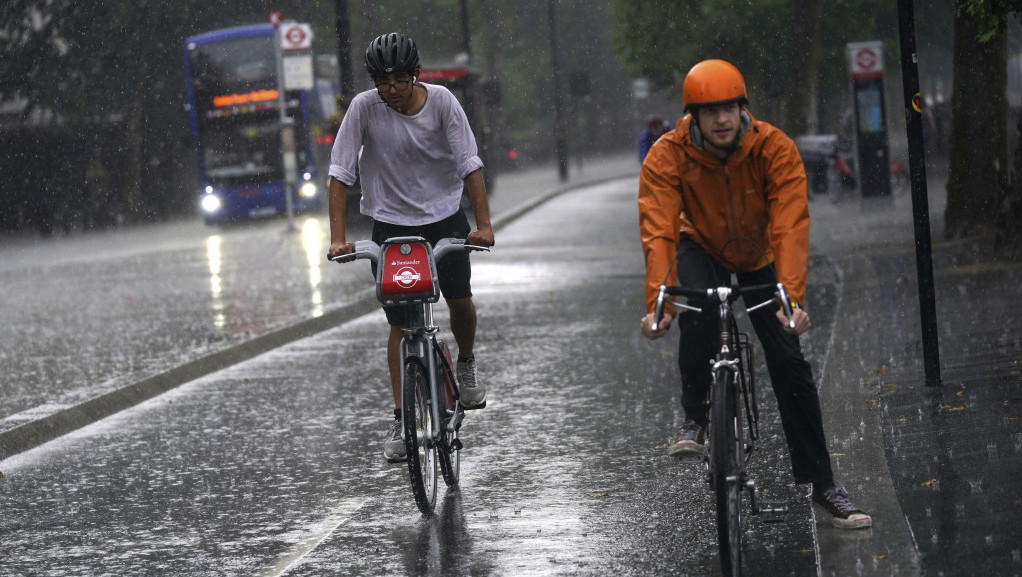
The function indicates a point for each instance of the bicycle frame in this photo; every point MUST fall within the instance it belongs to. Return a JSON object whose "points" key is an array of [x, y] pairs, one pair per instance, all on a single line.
{"points": [[732, 380], [419, 341]]}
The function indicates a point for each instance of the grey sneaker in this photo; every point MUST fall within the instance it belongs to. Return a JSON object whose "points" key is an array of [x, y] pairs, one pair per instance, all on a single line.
{"points": [[691, 443], [473, 395], [834, 503], [394, 448]]}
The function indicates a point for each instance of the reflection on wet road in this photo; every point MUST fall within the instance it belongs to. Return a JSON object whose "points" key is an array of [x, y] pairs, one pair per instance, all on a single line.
{"points": [[273, 467]]}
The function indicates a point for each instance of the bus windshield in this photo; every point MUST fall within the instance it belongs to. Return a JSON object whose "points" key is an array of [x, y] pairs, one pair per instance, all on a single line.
{"points": [[240, 152]]}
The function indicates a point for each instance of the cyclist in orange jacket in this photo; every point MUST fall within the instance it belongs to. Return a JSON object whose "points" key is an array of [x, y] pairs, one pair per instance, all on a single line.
{"points": [[725, 193]]}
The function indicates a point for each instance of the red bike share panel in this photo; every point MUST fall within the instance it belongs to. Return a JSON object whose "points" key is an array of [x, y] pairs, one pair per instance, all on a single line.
{"points": [[407, 274]]}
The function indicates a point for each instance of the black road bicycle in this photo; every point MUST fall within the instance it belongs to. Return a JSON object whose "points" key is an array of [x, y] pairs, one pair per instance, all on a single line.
{"points": [[732, 399], [431, 409]]}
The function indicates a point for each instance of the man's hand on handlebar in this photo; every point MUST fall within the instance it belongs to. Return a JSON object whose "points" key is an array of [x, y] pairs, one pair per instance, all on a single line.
{"points": [[481, 237], [801, 318], [646, 326], [340, 249]]}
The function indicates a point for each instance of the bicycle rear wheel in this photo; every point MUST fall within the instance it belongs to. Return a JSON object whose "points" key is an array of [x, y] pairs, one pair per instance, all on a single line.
{"points": [[725, 455], [422, 452]]}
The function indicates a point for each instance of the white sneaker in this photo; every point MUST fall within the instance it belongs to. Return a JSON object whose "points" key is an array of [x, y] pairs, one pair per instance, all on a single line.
{"points": [[473, 395], [394, 448]]}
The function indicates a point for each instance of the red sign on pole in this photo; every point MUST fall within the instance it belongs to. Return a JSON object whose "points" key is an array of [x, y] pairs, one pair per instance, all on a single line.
{"points": [[866, 59], [296, 37], [276, 17]]}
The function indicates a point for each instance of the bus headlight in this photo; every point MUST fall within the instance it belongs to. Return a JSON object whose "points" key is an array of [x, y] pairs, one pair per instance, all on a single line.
{"points": [[210, 203], [308, 190]]}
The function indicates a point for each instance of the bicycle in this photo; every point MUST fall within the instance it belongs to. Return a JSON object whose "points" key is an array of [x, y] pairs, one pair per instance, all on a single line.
{"points": [[432, 412], [733, 384]]}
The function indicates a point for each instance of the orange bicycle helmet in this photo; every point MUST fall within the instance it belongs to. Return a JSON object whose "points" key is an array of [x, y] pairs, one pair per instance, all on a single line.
{"points": [[713, 82]]}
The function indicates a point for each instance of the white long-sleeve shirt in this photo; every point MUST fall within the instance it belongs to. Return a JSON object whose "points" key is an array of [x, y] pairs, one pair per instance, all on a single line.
{"points": [[412, 168]]}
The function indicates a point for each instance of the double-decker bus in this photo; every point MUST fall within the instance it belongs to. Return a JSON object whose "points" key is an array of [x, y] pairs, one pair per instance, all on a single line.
{"points": [[233, 104]]}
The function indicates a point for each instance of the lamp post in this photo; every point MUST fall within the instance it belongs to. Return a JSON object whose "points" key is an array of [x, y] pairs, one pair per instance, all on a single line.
{"points": [[342, 21], [560, 132]]}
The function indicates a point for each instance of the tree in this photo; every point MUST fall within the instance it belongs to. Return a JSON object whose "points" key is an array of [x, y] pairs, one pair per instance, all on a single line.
{"points": [[800, 111], [978, 167], [662, 39], [117, 62]]}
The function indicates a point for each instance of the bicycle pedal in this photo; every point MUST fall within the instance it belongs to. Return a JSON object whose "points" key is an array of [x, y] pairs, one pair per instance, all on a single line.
{"points": [[456, 444], [453, 422], [773, 513]]}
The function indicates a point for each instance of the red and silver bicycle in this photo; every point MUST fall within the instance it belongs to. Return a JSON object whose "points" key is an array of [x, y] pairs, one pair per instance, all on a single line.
{"points": [[432, 412]]}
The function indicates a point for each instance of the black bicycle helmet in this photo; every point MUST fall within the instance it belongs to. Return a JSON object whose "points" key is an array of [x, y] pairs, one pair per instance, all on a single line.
{"points": [[391, 53]]}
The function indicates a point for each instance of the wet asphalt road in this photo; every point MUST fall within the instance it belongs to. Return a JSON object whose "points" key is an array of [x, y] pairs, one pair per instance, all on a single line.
{"points": [[273, 466]]}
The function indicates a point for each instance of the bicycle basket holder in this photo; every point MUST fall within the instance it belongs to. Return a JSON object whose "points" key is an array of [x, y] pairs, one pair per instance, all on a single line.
{"points": [[407, 272]]}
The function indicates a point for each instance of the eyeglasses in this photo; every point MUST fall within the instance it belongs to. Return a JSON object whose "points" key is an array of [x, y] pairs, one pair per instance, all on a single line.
{"points": [[399, 85]]}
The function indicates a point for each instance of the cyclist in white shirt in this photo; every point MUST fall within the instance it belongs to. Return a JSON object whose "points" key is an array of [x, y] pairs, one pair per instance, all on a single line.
{"points": [[413, 150]]}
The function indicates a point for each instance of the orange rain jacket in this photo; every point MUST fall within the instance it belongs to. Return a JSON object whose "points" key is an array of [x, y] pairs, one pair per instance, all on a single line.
{"points": [[758, 195]]}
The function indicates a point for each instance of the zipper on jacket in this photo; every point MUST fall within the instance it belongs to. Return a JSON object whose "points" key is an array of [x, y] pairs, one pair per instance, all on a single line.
{"points": [[732, 225]]}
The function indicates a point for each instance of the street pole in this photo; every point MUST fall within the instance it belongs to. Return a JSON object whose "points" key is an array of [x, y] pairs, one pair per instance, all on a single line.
{"points": [[343, 27], [286, 130], [466, 45], [920, 204], [560, 132]]}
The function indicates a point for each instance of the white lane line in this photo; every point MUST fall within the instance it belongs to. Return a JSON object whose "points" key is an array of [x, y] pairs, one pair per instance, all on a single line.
{"points": [[319, 533]]}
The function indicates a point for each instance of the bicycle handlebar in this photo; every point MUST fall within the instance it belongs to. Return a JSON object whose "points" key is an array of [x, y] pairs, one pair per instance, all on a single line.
{"points": [[727, 294], [367, 249]]}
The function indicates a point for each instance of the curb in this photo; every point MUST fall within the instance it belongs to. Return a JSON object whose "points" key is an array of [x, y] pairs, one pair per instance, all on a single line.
{"points": [[42, 430], [847, 395]]}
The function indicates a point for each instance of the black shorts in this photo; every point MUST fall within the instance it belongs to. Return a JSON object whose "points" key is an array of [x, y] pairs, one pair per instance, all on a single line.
{"points": [[455, 270]]}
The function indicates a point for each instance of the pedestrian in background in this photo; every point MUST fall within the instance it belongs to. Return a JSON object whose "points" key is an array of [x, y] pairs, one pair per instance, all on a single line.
{"points": [[655, 128]]}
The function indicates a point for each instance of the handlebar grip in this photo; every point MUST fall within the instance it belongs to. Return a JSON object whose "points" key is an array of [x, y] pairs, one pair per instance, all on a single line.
{"points": [[342, 258], [782, 293], [658, 312], [363, 249]]}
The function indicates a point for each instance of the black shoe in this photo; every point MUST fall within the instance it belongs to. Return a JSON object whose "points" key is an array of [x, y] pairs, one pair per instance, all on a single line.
{"points": [[692, 442], [843, 514]]}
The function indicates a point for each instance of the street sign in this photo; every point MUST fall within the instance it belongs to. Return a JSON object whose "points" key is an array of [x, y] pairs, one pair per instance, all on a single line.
{"points": [[276, 18], [866, 59], [296, 37], [866, 67], [298, 72]]}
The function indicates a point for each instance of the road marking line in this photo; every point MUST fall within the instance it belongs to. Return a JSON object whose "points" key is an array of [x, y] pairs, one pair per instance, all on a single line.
{"points": [[325, 528]]}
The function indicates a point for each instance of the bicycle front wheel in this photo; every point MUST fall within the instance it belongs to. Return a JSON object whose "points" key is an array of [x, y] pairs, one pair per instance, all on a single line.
{"points": [[725, 457], [422, 450]]}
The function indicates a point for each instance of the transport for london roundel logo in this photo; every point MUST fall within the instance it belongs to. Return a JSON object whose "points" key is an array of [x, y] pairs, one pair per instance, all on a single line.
{"points": [[406, 277]]}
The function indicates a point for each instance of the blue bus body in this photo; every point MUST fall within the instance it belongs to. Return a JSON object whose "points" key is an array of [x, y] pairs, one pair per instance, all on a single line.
{"points": [[233, 105]]}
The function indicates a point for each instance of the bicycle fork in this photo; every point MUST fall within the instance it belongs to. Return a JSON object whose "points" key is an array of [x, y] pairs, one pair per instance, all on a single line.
{"points": [[420, 344]]}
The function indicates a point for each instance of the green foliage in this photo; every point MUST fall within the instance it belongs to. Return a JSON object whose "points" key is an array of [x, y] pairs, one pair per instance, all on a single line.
{"points": [[991, 15], [662, 39]]}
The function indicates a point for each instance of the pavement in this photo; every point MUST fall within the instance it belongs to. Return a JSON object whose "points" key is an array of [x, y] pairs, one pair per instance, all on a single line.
{"points": [[944, 490], [937, 467]]}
